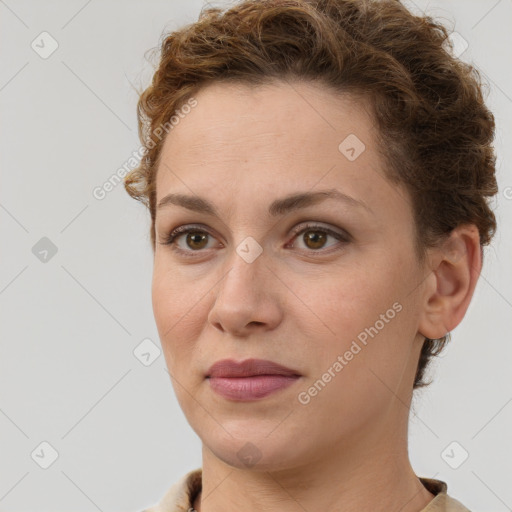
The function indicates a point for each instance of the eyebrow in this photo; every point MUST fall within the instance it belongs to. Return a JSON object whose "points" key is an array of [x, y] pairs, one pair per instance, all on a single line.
{"points": [[278, 207]]}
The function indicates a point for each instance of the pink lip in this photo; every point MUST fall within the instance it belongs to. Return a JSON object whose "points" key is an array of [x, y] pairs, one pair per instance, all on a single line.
{"points": [[248, 368], [250, 379]]}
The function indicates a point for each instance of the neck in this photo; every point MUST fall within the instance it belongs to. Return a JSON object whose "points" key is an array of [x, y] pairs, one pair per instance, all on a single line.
{"points": [[372, 472]]}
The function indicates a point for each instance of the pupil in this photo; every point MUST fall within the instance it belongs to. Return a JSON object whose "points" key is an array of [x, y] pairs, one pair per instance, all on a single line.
{"points": [[201, 237], [316, 239]]}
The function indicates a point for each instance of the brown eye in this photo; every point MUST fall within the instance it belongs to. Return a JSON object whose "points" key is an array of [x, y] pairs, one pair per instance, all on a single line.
{"points": [[315, 239], [188, 240], [196, 239]]}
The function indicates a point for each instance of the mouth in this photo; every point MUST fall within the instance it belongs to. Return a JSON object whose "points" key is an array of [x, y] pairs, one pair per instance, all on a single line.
{"points": [[249, 380], [229, 368], [244, 389]]}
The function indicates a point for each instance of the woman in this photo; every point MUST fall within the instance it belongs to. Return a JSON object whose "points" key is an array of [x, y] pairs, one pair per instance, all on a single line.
{"points": [[318, 175]]}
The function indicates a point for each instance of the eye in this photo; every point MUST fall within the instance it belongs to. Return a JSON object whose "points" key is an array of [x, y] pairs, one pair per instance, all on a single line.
{"points": [[314, 236], [195, 240]]}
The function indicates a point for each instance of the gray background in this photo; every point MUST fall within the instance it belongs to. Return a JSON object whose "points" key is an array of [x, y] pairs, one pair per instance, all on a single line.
{"points": [[69, 326]]}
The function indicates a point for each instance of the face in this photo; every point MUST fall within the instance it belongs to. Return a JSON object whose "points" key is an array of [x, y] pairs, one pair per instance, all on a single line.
{"points": [[327, 287]]}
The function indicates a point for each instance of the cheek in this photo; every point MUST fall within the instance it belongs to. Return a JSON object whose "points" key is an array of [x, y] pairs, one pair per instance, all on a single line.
{"points": [[345, 300], [163, 295], [361, 314], [176, 307], [174, 295], [352, 369]]}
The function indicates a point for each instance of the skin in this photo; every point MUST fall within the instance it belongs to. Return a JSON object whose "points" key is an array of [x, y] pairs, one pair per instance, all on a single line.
{"points": [[297, 303]]}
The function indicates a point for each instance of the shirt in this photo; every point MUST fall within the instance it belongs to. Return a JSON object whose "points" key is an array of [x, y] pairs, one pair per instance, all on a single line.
{"points": [[180, 497]]}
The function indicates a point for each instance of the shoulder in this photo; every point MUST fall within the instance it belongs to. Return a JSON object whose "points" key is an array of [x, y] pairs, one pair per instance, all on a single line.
{"points": [[180, 496], [442, 501], [445, 503]]}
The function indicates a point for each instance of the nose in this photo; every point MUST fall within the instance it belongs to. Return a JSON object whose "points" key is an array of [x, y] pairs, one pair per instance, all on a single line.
{"points": [[247, 298]]}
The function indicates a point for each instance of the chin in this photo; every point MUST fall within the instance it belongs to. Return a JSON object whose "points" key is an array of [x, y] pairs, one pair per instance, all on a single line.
{"points": [[252, 452]]}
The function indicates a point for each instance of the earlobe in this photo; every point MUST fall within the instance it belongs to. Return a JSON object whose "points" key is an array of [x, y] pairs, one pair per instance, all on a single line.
{"points": [[456, 267]]}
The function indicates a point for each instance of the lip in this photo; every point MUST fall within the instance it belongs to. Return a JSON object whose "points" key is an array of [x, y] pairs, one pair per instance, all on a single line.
{"points": [[229, 368], [251, 379]]}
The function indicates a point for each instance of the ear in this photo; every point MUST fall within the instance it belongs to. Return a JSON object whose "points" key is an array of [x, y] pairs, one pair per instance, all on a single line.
{"points": [[455, 268]]}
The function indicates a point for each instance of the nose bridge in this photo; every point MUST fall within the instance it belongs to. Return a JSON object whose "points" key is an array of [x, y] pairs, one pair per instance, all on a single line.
{"points": [[243, 296], [246, 261], [245, 276]]}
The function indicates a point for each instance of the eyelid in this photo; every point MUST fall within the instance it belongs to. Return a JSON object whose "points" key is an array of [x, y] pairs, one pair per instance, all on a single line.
{"points": [[169, 238], [336, 232]]}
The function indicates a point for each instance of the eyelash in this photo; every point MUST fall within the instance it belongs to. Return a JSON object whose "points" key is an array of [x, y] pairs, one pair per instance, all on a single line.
{"points": [[183, 230]]}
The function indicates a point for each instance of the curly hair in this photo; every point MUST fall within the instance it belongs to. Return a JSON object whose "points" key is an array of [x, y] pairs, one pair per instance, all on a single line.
{"points": [[435, 132]]}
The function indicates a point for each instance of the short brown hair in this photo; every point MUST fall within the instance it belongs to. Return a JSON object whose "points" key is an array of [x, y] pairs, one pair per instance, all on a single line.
{"points": [[435, 131]]}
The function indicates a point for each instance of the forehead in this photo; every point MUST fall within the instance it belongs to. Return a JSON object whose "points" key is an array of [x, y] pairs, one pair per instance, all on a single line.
{"points": [[274, 138], [293, 112], [235, 122]]}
